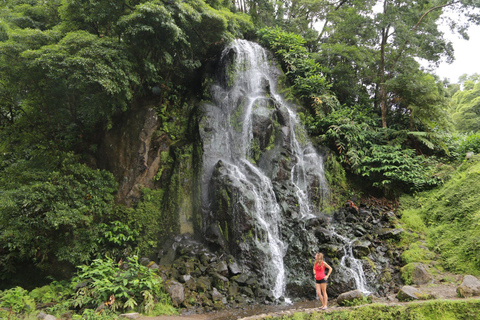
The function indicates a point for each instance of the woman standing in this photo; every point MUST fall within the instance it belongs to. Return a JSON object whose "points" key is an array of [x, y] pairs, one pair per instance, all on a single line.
{"points": [[321, 278]]}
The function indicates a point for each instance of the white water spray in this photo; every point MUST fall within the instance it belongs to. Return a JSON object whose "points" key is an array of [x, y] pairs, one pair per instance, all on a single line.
{"points": [[351, 265]]}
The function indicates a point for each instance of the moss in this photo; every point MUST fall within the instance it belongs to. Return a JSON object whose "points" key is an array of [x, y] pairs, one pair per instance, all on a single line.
{"points": [[337, 182], [417, 252], [427, 310], [386, 276], [451, 215], [254, 151], [406, 272], [371, 263]]}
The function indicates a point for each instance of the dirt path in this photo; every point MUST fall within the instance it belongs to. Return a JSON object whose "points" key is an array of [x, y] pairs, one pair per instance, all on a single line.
{"points": [[440, 291]]}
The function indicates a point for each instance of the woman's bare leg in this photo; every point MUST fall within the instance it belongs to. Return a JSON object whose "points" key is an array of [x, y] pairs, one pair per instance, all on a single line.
{"points": [[319, 294], [323, 288]]}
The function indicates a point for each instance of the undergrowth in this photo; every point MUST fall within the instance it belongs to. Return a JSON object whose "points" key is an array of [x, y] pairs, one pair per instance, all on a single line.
{"points": [[449, 216], [428, 310]]}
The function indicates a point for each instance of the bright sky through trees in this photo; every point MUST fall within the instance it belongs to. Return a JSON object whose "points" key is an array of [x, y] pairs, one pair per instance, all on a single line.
{"points": [[466, 56]]}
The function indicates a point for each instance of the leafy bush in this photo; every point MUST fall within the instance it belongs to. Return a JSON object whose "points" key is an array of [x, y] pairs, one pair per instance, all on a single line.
{"points": [[417, 252], [53, 292], [300, 68], [15, 300], [470, 144], [394, 169], [118, 239], [134, 286], [51, 209]]}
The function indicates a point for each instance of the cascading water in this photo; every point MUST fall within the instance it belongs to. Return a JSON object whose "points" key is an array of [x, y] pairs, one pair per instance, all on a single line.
{"points": [[245, 96], [351, 265]]}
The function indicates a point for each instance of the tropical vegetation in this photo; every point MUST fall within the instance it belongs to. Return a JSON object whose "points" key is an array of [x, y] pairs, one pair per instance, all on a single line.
{"points": [[70, 69]]}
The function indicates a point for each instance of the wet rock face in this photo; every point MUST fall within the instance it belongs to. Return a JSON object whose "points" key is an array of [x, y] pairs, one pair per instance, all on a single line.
{"points": [[201, 280], [132, 153], [379, 259]]}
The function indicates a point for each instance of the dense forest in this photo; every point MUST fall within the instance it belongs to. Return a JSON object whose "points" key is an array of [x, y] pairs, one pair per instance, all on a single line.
{"points": [[72, 71]]}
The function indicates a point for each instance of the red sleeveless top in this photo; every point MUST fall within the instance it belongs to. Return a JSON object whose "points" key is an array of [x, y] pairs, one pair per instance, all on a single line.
{"points": [[319, 271]]}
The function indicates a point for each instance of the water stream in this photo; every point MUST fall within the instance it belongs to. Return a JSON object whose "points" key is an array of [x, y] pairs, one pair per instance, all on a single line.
{"points": [[351, 265]]}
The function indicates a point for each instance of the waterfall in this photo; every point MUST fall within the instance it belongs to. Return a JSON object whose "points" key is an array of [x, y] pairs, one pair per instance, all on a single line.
{"points": [[247, 90], [351, 265]]}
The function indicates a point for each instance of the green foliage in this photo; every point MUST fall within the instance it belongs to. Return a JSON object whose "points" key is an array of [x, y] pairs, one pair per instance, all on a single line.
{"points": [[337, 181], [451, 214], [392, 168], [358, 302], [119, 239], [417, 252], [15, 300], [53, 292], [152, 219], [90, 314], [134, 286], [300, 68], [465, 107], [413, 220], [470, 144], [50, 208]]}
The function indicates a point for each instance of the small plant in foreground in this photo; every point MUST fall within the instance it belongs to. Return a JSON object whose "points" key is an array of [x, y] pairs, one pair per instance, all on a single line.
{"points": [[134, 286], [15, 301]]}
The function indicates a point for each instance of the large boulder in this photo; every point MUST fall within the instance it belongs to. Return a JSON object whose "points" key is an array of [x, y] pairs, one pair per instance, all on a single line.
{"points": [[421, 274], [409, 293], [176, 291], [470, 287], [349, 297]]}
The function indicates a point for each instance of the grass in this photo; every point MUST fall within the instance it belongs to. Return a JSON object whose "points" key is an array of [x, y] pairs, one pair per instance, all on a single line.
{"points": [[426, 310], [448, 217]]}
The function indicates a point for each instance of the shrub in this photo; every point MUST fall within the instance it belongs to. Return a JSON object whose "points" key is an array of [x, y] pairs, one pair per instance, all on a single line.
{"points": [[416, 252], [134, 286], [470, 144], [50, 210], [15, 300], [396, 169]]}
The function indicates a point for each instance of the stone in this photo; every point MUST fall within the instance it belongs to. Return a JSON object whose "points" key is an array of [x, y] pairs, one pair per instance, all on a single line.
{"points": [[361, 248], [234, 268], [216, 295], [233, 290], [346, 297], [204, 284], [176, 291], [222, 268], [44, 316], [153, 266], [469, 287], [144, 261], [133, 315], [184, 278], [409, 293], [421, 275], [168, 258], [241, 279], [390, 233], [220, 281]]}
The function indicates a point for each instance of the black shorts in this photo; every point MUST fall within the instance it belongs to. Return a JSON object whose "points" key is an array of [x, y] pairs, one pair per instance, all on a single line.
{"points": [[321, 281]]}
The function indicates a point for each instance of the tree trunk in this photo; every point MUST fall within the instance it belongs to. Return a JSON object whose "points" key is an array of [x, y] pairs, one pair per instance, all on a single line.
{"points": [[383, 86]]}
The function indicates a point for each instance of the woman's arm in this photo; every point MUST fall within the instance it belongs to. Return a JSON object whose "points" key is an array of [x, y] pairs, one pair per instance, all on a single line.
{"points": [[328, 267]]}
